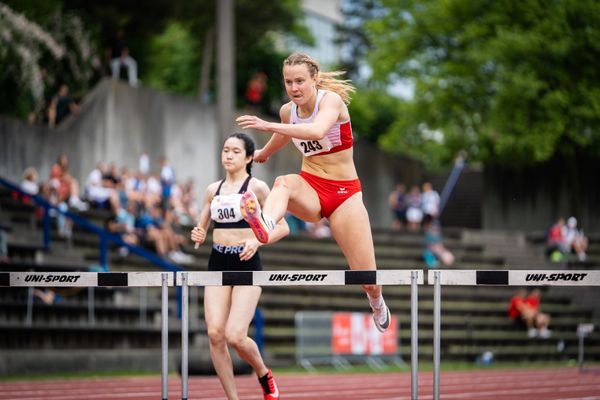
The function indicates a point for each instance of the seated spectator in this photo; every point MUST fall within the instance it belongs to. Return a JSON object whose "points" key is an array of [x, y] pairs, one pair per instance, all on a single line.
{"points": [[3, 244], [158, 232], [30, 184], [397, 203], [318, 230], [99, 192], [574, 239], [555, 241], [123, 223], [435, 251], [61, 106], [525, 312], [296, 224], [46, 295]]}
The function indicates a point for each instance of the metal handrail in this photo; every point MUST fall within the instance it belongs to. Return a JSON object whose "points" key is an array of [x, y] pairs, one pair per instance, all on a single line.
{"points": [[105, 236]]}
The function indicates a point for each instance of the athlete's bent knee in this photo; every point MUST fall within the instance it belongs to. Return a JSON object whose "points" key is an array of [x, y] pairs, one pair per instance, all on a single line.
{"points": [[235, 339], [216, 336], [372, 289], [281, 182]]}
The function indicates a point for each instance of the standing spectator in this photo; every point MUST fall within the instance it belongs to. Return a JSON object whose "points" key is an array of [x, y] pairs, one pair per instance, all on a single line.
{"points": [[144, 164], [61, 106], [430, 201], [256, 89], [167, 178], [575, 240], [397, 203], [414, 212], [120, 57]]}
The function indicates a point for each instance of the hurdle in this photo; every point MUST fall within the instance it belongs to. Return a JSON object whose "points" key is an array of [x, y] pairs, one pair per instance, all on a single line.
{"points": [[495, 278], [300, 278], [105, 279]]}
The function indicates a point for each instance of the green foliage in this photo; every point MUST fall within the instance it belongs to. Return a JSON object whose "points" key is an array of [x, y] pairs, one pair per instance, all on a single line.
{"points": [[510, 81], [41, 46], [173, 61], [373, 113]]}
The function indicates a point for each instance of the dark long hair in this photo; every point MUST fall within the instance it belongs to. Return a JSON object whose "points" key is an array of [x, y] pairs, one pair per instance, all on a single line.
{"points": [[249, 146]]}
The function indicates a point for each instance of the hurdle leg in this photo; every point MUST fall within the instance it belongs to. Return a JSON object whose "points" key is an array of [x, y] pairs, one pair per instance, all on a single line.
{"points": [[437, 299], [184, 335], [165, 337], [414, 340]]}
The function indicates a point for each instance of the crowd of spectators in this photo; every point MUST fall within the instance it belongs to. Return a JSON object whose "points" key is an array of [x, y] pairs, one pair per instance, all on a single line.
{"points": [[419, 209], [147, 209]]}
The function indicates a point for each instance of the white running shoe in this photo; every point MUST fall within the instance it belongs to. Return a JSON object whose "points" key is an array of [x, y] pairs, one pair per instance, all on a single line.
{"points": [[378, 315]]}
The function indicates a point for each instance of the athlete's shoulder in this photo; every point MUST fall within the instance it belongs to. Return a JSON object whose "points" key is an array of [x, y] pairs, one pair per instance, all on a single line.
{"points": [[330, 96], [211, 189], [285, 111]]}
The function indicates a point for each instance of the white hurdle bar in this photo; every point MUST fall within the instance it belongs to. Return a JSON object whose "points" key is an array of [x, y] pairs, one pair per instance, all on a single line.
{"points": [[300, 278], [495, 278], [105, 279]]}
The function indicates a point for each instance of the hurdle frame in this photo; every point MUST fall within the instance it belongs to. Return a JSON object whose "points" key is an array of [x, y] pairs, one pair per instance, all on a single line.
{"points": [[411, 278], [495, 278], [164, 280]]}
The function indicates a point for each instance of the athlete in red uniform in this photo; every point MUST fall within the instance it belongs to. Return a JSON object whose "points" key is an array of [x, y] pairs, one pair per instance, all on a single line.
{"points": [[317, 121]]}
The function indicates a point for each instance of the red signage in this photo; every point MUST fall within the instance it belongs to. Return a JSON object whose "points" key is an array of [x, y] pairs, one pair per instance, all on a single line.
{"points": [[355, 333]]}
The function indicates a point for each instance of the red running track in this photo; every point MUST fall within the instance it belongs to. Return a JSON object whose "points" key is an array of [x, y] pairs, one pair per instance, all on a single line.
{"points": [[546, 384]]}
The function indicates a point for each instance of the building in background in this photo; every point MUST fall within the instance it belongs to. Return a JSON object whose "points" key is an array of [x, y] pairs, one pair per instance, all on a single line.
{"points": [[322, 18]]}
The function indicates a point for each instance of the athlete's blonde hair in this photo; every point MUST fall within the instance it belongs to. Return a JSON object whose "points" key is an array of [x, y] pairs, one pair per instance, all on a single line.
{"points": [[325, 80]]}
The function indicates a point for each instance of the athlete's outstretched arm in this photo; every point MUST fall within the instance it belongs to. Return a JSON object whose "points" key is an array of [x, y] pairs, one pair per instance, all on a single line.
{"points": [[330, 108], [276, 143]]}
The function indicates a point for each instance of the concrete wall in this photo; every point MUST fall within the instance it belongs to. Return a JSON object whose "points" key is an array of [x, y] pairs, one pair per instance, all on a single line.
{"points": [[117, 123], [533, 198]]}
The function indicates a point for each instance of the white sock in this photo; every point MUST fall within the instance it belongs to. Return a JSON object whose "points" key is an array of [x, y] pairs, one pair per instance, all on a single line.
{"points": [[377, 303], [270, 222]]}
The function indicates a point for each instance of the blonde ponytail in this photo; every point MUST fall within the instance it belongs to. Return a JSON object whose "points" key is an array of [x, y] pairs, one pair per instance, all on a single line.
{"points": [[325, 80]]}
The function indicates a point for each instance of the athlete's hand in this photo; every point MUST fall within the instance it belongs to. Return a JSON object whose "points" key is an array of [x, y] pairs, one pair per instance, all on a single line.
{"points": [[252, 122], [250, 248], [198, 236], [260, 156]]}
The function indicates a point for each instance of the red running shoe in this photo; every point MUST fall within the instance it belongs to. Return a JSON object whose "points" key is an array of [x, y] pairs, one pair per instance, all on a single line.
{"points": [[250, 209], [269, 387]]}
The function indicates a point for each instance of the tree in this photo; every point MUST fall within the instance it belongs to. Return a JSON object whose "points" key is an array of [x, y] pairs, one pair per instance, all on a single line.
{"points": [[35, 57], [509, 81]]}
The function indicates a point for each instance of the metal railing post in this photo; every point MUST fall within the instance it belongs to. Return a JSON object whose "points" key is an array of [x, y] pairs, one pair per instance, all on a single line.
{"points": [[437, 316], [414, 339], [165, 337], [184, 335]]}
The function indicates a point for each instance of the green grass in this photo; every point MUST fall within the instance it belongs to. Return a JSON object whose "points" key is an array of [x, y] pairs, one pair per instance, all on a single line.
{"points": [[423, 367], [77, 375]]}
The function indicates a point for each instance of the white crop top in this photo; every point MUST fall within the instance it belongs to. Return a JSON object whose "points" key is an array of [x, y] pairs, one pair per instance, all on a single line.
{"points": [[225, 208], [338, 138]]}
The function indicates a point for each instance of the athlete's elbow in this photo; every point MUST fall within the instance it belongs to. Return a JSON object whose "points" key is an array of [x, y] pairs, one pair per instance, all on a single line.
{"points": [[317, 135]]}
